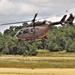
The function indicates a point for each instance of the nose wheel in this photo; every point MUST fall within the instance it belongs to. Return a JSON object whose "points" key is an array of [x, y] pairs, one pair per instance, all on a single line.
{"points": [[44, 38]]}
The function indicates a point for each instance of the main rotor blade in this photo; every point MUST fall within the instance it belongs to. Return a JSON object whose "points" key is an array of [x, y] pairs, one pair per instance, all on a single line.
{"points": [[14, 23], [34, 17]]}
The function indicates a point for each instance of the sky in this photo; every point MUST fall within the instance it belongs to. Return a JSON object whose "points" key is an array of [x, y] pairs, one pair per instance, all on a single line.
{"points": [[23, 10]]}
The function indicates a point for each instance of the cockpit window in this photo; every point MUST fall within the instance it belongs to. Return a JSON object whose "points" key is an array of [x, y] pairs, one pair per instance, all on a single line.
{"points": [[26, 31], [19, 33]]}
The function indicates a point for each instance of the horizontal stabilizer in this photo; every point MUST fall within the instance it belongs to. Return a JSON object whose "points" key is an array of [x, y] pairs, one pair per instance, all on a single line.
{"points": [[70, 19], [63, 19]]}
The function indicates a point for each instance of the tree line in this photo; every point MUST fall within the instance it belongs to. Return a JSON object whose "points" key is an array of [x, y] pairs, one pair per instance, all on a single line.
{"points": [[58, 39]]}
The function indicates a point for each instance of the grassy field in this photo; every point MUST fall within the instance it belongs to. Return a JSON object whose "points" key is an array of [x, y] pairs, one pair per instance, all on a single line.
{"points": [[46, 53], [36, 62], [48, 71], [45, 63]]}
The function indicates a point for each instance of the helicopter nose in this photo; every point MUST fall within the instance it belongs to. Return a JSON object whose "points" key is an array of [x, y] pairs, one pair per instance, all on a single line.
{"points": [[17, 34]]}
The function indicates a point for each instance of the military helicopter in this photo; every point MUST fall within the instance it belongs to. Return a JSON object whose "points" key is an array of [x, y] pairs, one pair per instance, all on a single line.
{"points": [[39, 29]]}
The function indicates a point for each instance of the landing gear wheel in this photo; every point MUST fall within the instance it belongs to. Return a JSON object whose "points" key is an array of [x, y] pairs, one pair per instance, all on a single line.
{"points": [[19, 40]]}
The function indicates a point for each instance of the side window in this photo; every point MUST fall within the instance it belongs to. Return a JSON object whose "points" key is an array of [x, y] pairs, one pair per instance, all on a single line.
{"points": [[32, 30], [36, 30], [26, 31]]}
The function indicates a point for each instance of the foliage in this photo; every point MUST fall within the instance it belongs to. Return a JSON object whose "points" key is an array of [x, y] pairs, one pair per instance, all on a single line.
{"points": [[58, 39]]}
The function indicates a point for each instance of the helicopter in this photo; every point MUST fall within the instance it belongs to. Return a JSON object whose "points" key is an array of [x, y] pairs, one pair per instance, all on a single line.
{"points": [[39, 29]]}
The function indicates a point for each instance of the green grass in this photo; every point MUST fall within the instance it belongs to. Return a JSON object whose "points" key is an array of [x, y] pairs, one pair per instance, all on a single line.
{"points": [[44, 59], [46, 53], [37, 62]]}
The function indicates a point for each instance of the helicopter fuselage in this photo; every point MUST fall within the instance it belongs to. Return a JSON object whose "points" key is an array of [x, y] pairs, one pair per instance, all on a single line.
{"points": [[33, 33], [37, 29]]}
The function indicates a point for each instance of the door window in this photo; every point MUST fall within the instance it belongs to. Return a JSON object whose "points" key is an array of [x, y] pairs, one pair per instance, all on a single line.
{"points": [[26, 31], [36, 30]]}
